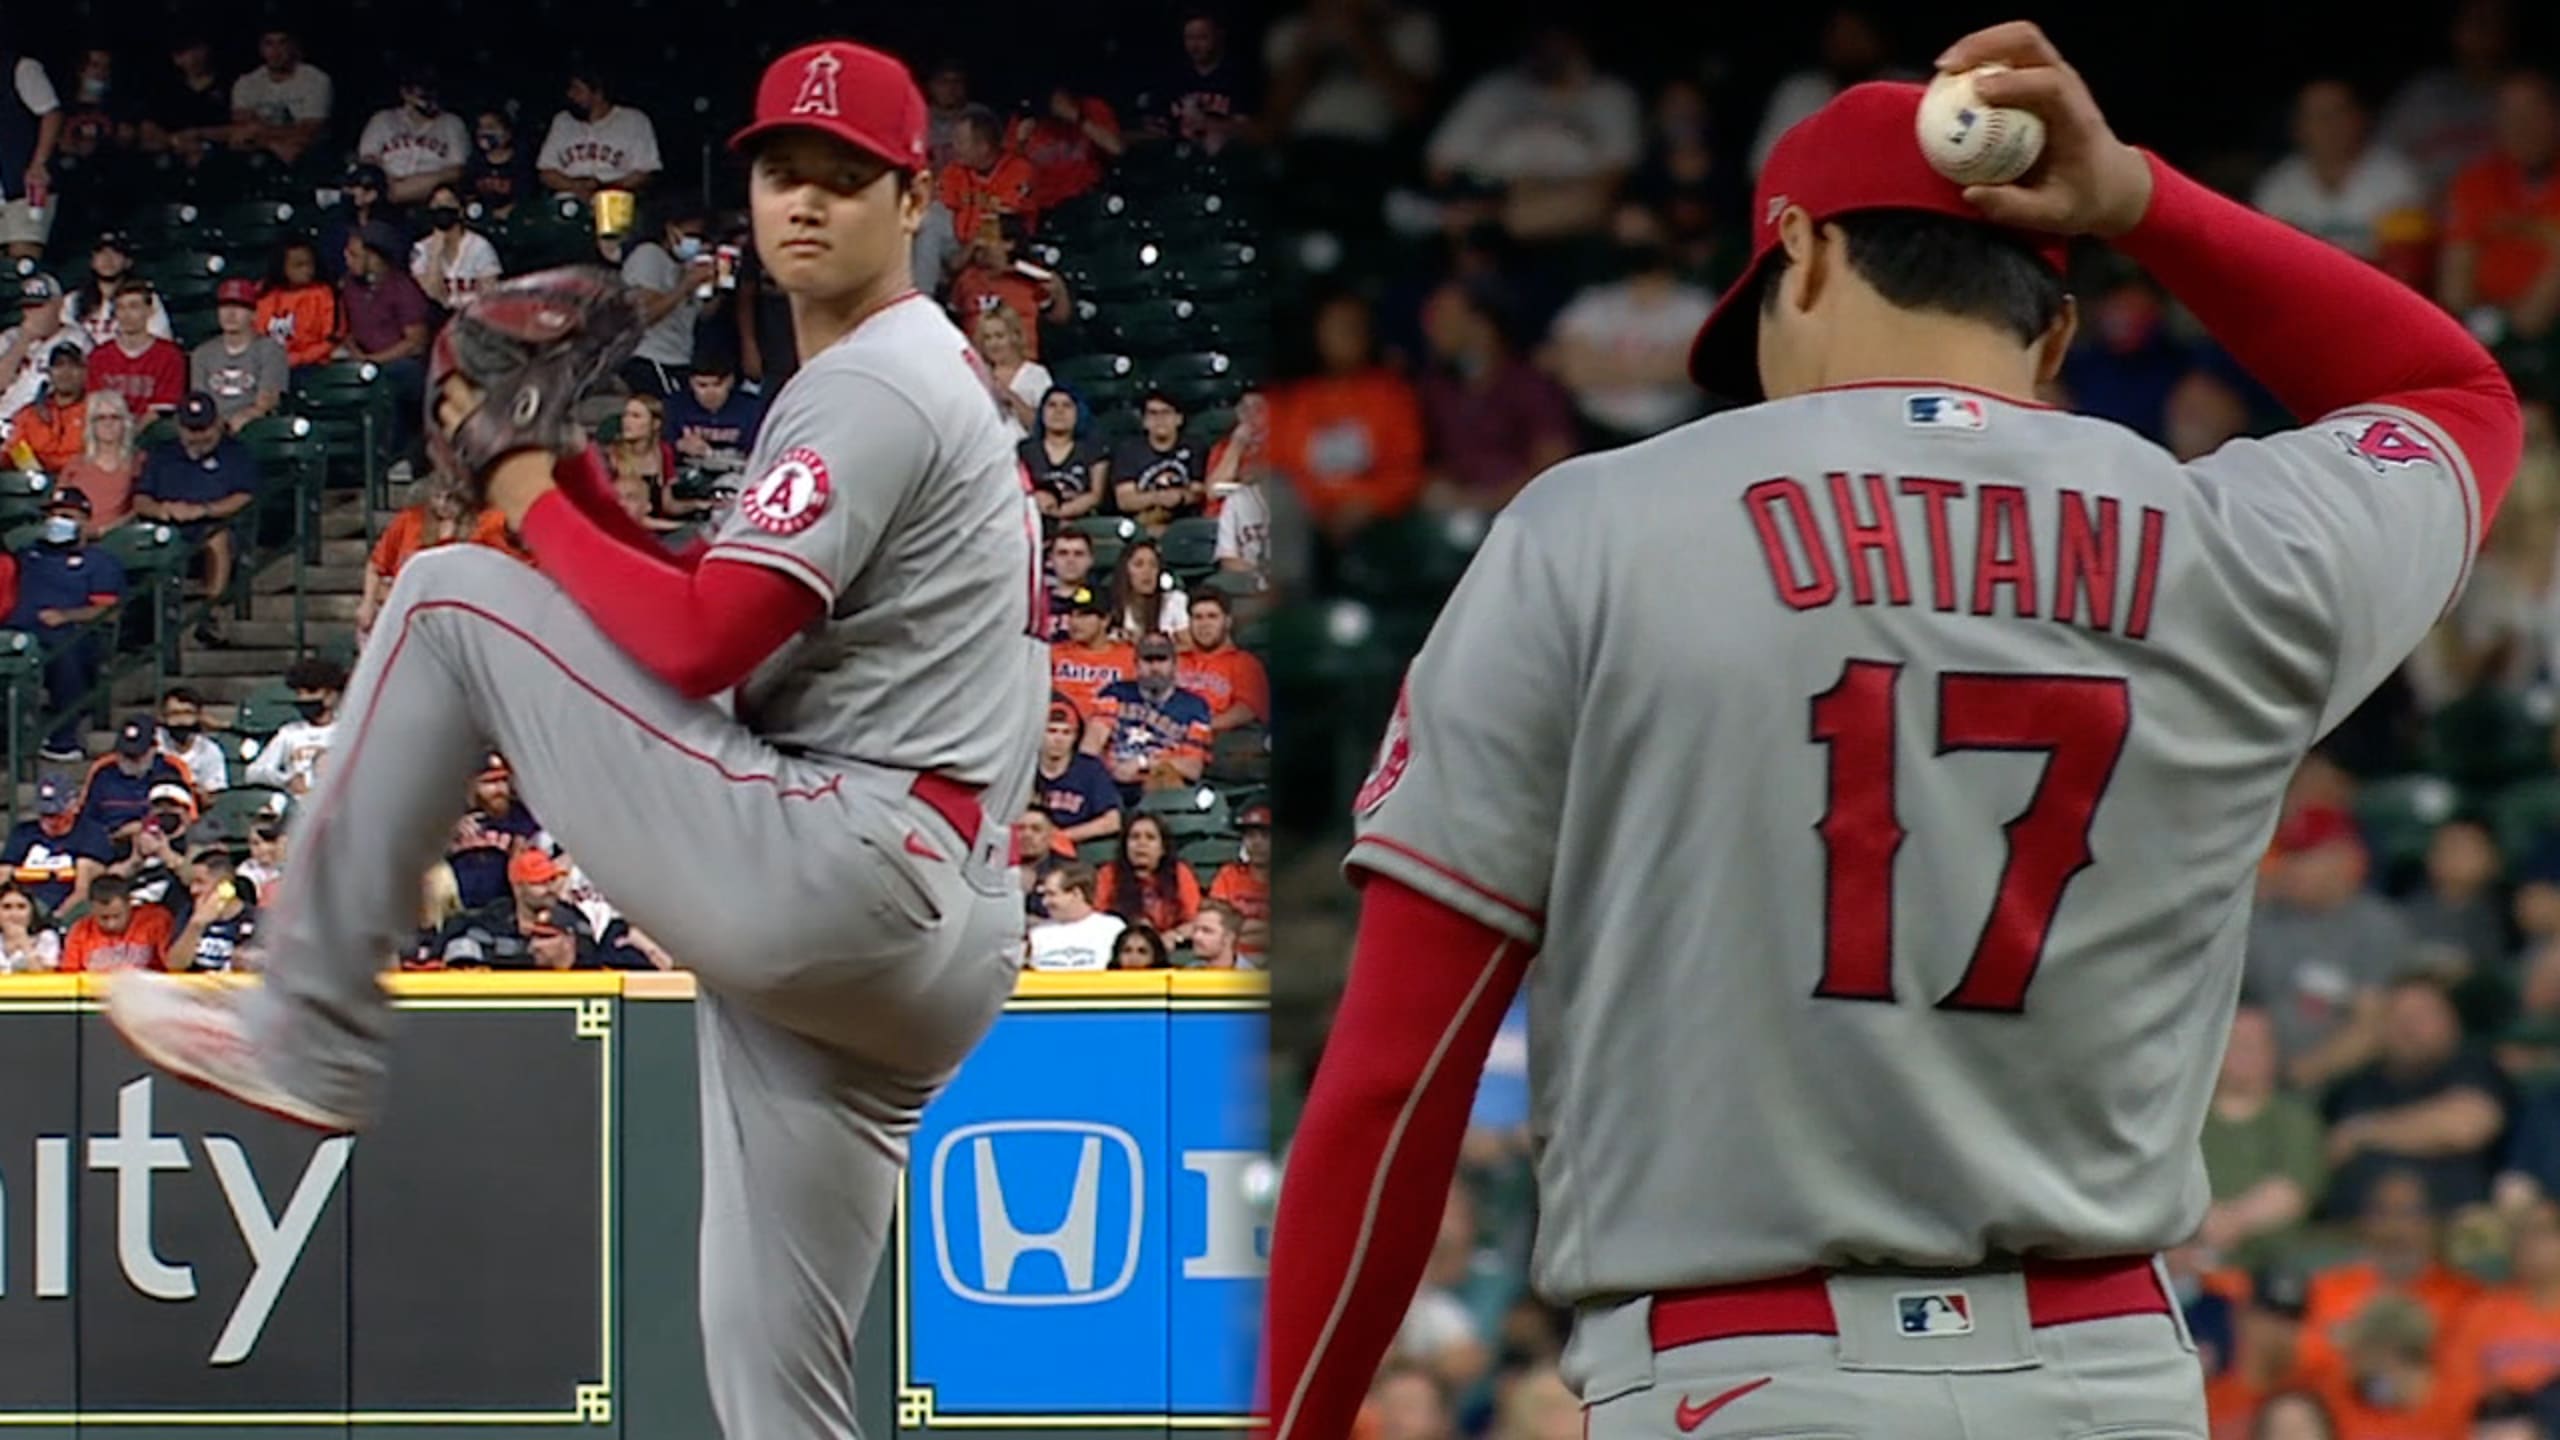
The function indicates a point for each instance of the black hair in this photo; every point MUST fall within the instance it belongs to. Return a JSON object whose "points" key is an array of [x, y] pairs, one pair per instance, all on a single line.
{"points": [[984, 121], [183, 694], [1159, 957], [275, 267], [109, 887], [1919, 260], [1156, 396], [313, 672]]}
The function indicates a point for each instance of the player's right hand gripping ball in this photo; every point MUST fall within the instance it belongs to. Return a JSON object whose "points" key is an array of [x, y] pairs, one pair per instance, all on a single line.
{"points": [[1972, 143], [528, 348]]}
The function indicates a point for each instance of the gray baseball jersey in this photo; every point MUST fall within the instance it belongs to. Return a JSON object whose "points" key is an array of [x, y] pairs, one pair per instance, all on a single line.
{"points": [[1882, 774], [885, 481]]}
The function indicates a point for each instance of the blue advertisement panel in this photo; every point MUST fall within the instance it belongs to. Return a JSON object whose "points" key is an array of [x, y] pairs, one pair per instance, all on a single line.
{"points": [[1079, 1241]]}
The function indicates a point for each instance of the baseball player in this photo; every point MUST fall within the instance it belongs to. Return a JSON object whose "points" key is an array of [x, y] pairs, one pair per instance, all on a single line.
{"points": [[1881, 770], [841, 694]]}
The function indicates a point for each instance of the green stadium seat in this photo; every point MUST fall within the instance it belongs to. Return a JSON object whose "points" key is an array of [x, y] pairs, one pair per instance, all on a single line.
{"points": [[1098, 853], [1190, 546], [1239, 755], [1190, 812], [143, 548], [2485, 739], [1087, 374], [1416, 557], [268, 709], [2523, 814], [1189, 366], [1106, 527], [235, 811], [2401, 813], [1208, 853]]}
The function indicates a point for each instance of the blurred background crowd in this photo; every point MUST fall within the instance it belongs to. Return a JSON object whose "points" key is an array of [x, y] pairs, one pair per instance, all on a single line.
{"points": [[1524, 215], [230, 237]]}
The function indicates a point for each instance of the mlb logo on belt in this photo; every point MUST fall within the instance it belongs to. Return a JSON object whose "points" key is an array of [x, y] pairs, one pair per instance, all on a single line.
{"points": [[1937, 411], [1929, 1314]]}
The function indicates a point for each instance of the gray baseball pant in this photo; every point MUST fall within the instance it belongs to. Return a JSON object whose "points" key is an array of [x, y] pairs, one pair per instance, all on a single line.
{"points": [[2129, 1377], [844, 975]]}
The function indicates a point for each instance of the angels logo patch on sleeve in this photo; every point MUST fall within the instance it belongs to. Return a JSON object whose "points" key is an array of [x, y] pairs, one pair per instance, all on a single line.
{"points": [[1395, 752], [790, 496]]}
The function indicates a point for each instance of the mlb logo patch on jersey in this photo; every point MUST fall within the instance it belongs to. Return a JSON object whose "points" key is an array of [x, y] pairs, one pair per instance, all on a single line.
{"points": [[1938, 410], [1932, 1314]]}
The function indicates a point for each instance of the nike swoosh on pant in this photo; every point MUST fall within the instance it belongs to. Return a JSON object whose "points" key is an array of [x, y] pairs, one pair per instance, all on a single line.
{"points": [[1690, 1417]]}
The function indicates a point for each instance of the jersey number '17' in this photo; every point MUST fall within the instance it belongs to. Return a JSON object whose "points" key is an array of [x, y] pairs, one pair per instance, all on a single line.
{"points": [[2078, 722]]}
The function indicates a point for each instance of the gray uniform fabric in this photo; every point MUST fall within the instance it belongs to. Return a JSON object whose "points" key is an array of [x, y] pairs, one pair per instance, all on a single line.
{"points": [[1883, 773], [854, 947]]}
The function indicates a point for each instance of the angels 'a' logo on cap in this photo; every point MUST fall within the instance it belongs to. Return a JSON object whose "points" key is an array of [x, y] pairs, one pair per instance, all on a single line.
{"points": [[817, 94], [1777, 206], [791, 496]]}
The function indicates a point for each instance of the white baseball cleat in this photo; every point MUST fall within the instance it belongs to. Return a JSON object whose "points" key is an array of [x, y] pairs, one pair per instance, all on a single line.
{"points": [[191, 1028]]}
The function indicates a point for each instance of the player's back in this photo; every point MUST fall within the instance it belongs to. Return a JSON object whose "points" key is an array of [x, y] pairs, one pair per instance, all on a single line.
{"points": [[1923, 746], [885, 479]]}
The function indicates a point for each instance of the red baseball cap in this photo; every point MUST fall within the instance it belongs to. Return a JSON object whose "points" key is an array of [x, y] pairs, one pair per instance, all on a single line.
{"points": [[236, 292], [859, 95], [1859, 152], [530, 866]]}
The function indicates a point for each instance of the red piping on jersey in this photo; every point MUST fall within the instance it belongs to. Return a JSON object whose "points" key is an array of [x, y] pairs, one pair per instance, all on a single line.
{"points": [[1533, 917], [1428, 989], [1891, 384], [800, 568], [2325, 331]]}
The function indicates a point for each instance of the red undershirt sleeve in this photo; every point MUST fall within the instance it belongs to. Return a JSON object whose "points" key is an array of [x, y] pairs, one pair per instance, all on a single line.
{"points": [[1376, 1149], [700, 627], [2322, 329]]}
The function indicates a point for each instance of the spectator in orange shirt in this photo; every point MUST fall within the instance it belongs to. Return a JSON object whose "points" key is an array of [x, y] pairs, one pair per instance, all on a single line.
{"points": [[1349, 437], [1149, 885], [1067, 146], [108, 463], [983, 177], [2389, 1388], [117, 934], [2502, 229], [2509, 1339], [2397, 1233], [437, 519], [991, 280], [299, 311], [1225, 674], [1247, 884], [1086, 662], [56, 427], [2264, 1365]]}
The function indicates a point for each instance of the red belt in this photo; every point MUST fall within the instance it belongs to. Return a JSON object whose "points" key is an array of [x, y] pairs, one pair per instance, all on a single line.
{"points": [[2059, 1292], [956, 803]]}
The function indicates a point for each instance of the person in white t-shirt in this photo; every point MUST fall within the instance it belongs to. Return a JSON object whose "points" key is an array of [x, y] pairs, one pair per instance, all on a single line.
{"points": [[1075, 936], [454, 260], [419, 144], [24, 223], [1622, 347], [2335, 184], [595, 144], [26, 348], [283, 105]]}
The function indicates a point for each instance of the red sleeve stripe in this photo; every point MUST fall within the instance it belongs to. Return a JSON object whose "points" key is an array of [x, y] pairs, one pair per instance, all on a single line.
{"points": [[1378, 1186], [1528, 915]]}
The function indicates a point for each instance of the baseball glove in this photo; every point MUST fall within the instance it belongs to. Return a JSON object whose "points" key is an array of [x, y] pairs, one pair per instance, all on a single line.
{"points": [[529, 347]]}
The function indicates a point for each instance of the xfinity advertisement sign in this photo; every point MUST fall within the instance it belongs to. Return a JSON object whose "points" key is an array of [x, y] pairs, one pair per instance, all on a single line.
{"points": [[168, 1256], [1082, 1245]]}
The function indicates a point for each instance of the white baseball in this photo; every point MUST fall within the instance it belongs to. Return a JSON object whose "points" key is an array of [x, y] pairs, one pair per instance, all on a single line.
{"points": [[1972, 143]]}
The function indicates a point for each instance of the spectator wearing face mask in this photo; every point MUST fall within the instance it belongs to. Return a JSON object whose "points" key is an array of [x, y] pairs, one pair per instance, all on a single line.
{"points": [[57, 854], [595, 144], [419, 145], [291, 759], [181, 737], [665, 275], [63, 584], [454, 260], [499, 172]]}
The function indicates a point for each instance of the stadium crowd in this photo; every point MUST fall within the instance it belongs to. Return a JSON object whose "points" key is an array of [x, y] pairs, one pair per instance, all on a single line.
{"points": [[1520, 279], [228, 282]]}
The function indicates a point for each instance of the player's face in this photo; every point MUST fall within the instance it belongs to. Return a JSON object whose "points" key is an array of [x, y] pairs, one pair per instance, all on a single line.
{"points": [[830, 220]]}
